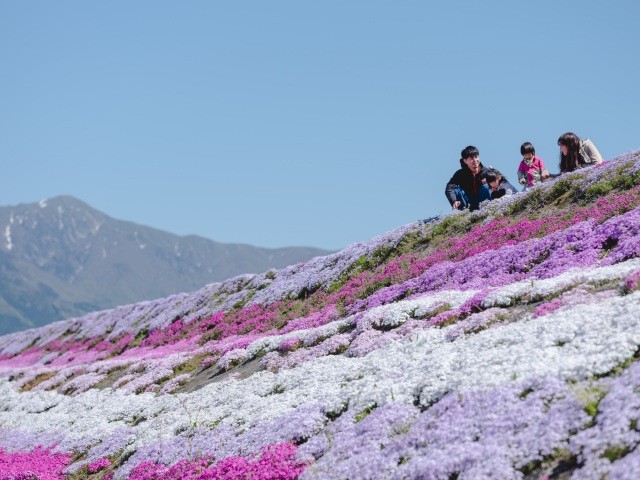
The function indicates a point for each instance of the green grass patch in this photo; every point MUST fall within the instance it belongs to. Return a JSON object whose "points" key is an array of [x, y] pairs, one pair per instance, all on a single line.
{"points": [[615, 452], [365, 413]]}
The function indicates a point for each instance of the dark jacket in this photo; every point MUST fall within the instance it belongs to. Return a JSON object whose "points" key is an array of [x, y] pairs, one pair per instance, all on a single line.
{"points": [[504, 188], [469, 182]]}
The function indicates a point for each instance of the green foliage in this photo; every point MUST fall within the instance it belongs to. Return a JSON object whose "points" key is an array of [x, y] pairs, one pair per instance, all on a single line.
{"points": [[615, 452], [279, 322], [360, 265], [190, 365], [454, 225], [243, 301], [374, 287], [136, 420], [277, 390], [525, 393], [214, 334], [565, 190], [531, 467], [620, 181], [440, 308], [334, 414], [560, 460], [41, 377], [140, 336], [214, 424], [378, 257], [590, 396], [365, 413]]}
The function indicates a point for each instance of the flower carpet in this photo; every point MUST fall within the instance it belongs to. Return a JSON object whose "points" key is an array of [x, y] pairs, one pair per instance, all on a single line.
{"points": [[497, 344]]}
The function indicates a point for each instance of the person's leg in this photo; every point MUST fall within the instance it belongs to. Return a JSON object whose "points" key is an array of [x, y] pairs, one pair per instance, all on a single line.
{"points": [[462, 197], [484, 194]]}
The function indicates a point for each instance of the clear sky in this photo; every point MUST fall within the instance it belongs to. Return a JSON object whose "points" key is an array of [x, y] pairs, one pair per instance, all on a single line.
{"points": [[279, 123]]}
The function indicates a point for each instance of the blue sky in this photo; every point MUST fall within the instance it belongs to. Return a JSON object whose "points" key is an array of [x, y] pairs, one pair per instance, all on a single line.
{"points": [[295, 122]]}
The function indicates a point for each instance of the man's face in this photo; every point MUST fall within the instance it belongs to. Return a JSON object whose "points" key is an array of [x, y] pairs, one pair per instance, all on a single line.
{"points": [[473, 163]]}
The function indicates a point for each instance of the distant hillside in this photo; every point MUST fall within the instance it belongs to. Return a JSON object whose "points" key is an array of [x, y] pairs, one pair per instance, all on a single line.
{"points": [[61, 258]]}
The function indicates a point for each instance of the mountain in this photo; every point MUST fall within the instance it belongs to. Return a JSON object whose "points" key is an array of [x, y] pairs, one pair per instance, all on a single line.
{"points": [[501, 344], [61, 258]]}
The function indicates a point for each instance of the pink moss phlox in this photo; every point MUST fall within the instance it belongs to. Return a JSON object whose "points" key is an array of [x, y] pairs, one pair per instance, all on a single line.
{"points": [[183, 470], [632, 282], [473, 305], [548, 307], [326, 314], [290, 344], [162, 336], [41, 463], [98, 465], [277, 462]]}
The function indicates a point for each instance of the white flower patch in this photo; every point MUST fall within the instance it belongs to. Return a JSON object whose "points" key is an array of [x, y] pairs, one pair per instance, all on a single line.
{"points": [[529, 290], [232, 358], [395, 314], [84, 382], [59, 378], [175, 383], [273, 342]]}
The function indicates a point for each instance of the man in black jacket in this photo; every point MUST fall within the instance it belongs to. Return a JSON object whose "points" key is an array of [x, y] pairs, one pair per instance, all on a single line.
{"points": [[467, 188]]}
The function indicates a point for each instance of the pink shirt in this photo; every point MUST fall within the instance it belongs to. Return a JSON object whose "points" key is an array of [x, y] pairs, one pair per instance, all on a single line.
{"points": [[532, 173]]}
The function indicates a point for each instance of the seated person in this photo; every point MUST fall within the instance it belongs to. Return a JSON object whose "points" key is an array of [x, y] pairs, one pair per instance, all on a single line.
{"points": [[498, 184], [576, 153], [532, 169], [467, 189]]}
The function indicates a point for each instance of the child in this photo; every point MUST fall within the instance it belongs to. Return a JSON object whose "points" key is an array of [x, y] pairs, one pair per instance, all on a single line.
{"points": [[531, 169], [498, 185]]}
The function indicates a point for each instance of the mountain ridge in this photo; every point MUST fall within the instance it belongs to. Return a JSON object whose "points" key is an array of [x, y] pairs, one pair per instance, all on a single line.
{"points": [[60, 257]]}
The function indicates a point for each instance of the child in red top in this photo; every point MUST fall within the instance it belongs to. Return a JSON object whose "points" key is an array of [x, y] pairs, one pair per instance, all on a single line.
{"points": [[531, 169]]}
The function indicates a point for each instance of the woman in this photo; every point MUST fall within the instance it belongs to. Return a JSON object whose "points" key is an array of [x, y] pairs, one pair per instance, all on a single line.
{"points": [[498, 185], [576, 153]]}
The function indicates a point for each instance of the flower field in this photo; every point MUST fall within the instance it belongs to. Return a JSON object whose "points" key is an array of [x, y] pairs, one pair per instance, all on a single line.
{"points": [[497, 344]]}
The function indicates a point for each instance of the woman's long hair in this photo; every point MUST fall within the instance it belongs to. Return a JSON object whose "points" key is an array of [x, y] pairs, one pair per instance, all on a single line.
{"points": [[573, 159]]}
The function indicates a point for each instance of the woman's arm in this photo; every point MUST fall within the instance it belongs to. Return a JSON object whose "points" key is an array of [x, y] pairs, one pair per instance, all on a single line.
{"points": [[592, 152]]}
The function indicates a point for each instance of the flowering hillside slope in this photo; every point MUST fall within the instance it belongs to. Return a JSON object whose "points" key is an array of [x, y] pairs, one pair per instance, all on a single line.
{"points": [[498, 344]]}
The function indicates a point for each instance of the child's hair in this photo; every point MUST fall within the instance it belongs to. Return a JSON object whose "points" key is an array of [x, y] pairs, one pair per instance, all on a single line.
{"points": [[492, 174], [469, 151], [527, 147], [573, 158]]}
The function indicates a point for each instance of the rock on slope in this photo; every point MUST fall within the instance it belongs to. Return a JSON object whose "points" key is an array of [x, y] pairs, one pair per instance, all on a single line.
{"points": [[499, 344]]}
